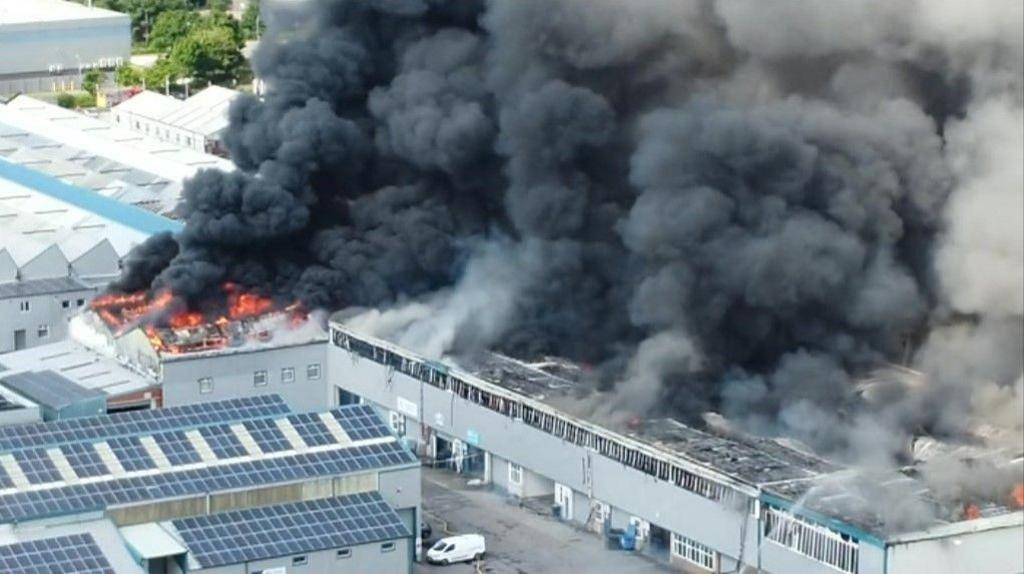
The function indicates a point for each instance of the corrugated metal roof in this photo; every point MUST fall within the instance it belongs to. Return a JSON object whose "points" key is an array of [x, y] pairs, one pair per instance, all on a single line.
{"points": [[126, 215], [49, 389], [151, 541], [32, 11], [33, 287], [206, 112]]}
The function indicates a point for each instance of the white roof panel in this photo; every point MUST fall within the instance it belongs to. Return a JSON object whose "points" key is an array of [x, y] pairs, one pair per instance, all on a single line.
{"points": [[32, 11]]}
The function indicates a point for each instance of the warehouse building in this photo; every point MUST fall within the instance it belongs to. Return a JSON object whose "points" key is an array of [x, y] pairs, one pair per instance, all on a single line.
{"points": [[49, 44], [701, 500], [196, 122], [59, 245], [235, 486]]}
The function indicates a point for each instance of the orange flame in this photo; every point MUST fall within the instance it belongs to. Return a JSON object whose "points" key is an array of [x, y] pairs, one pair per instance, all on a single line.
{"points": [[1017, 496], [972, 512], [246, 305], [186, 320]]}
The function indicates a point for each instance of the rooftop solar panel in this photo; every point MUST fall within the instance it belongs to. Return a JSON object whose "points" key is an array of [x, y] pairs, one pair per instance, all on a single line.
{"points": [[37, 466], [177, 448], [137, 423], [267, 436], [76, 553], [223, 442], [84, 460], [287, 529], [361, 422], [5, 481], [84, 497], [130, 452], [311, 429]]}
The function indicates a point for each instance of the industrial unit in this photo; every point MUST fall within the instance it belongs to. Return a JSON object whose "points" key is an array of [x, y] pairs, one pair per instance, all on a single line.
{"points": [[196, 122], [49, 44], [705, 502], [242, 486]]}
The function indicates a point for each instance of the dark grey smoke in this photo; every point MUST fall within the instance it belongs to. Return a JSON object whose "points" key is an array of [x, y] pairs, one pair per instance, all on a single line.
{"points": [[714, 214]]}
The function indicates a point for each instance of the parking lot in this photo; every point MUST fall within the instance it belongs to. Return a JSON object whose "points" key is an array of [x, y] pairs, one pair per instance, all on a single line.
{"points": [[519, 541]]}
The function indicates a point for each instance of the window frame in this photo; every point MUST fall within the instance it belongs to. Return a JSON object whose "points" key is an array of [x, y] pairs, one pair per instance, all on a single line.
{"points": [[205, 385], [516, 471], [388, 547], [256, 378], [311, 368], [302, 560], [43, 331], [25, 306], [287, 375], [694, 552], [343, 554]]}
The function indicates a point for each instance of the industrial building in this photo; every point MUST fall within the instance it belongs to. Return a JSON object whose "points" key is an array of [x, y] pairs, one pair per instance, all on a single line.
{"points": [[236, 486], [76, 194], [140, 366], [49, 44], [196, 122], [701, 500]]}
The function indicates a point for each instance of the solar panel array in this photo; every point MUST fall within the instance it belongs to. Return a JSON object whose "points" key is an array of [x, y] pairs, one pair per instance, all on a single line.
{"points": [[137, 423], [131, 453], [267, 436], [76, 553], [287, 529], [84, 460], [37, 466], [361, 422], [244, 473], [177, 448], [223, 442], [312, 429]]}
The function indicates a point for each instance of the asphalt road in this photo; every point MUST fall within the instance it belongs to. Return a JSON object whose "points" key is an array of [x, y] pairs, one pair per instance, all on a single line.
{"points": [[519, 541]]}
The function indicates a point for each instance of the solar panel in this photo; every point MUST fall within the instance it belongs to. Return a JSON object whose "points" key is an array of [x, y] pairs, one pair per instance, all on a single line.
{"points": [[267, 435], [177, 447], [37, 466], [130, 452], [84, 497], [312, 429], [287, 529], [5, 481], [136, 423], [223, 442], [84, 460], [76, 553], [361, 422]]}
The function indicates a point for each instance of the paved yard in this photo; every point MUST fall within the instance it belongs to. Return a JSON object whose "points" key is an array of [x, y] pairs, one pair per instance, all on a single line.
{"points": [[519, 541]]}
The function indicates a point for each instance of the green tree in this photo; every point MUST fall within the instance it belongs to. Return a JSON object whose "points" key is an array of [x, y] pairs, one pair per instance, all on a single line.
{"points": [[92, 80], [208, 55], [252, 26], [163, 72], [66, 100], [170, 27], [219, 5], [128, 76]]}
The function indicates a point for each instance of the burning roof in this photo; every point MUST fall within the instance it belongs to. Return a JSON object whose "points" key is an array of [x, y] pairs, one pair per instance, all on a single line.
{"points": [[172, 328]]}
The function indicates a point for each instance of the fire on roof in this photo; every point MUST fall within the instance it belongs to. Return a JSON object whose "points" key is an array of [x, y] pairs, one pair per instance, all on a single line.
{"points": [[173, 328]]}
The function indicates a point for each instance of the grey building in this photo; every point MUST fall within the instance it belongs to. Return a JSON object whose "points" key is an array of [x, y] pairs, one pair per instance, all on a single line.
{"points": [[232, 486], [704, 501], [49, 44], [58, 397]]}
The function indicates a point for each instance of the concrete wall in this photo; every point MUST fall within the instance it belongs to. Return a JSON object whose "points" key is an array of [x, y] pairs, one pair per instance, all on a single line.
{"points": [[999, 551], [160, 130], [45, 309], [232, 376], [365, 559]]}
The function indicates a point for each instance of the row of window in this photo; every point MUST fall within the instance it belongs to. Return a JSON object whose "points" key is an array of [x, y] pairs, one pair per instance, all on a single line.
{"points": [[823, 544], [693, 552], [342, 554], [26, 306], [436, 375], [260, 378]]}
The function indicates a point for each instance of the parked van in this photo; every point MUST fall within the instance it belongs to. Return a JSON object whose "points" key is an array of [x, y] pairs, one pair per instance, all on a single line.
{"points": [[462, 548]]}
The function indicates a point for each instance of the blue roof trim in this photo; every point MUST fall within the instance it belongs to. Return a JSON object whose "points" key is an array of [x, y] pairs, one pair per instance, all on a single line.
{"points": [[822, 519], [127, 215]]}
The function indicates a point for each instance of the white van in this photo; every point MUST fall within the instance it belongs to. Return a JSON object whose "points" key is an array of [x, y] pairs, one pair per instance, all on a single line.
{"points": [[462, 548]]}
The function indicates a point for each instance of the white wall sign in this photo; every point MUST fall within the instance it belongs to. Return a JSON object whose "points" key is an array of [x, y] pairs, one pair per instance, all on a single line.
{"points": [[407, 407]]}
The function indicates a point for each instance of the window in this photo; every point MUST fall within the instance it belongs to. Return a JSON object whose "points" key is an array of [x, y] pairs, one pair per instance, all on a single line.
{"points": [[80, 302], [313, 371], [397, 423], [65, 304], [515, 473], [387, 547], [693, 551], [343, 553], [259, 378], [300, 560], [288, 375], [24, 306], [205, 385], [44, 331]]}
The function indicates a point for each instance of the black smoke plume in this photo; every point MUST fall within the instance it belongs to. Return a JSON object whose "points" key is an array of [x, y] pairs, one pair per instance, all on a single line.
{"points": [[723, 205]]}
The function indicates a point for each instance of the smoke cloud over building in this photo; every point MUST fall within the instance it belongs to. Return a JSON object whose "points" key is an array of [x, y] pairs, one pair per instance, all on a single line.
{"points": [[720, 205]]}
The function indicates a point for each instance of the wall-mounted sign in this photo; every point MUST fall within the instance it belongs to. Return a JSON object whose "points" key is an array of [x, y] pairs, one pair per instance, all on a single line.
{"points": [[407, 407], [472, 437]]}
